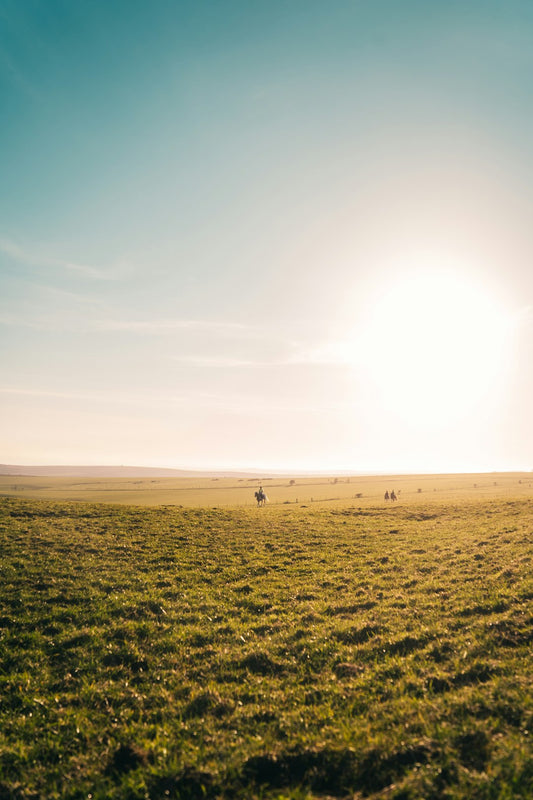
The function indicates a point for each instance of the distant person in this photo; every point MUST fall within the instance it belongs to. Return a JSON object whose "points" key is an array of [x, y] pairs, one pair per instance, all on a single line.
{"points": [[393, 496], [387, 495], [260, 496]]}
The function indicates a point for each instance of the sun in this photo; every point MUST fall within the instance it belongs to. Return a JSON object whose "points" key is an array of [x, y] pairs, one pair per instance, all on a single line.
{"points": [[433, 347]]}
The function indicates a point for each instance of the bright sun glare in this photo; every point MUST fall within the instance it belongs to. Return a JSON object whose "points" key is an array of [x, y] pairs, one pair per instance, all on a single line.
{"points": [[433, 349]]}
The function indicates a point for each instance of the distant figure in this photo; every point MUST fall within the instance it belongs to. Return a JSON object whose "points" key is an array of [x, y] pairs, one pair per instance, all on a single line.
{"points": [[393, 496], [260, 496], [387, 495]]}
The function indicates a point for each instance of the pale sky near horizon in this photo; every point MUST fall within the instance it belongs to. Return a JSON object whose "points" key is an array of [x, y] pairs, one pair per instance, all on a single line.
{"points": [[291, 235]]}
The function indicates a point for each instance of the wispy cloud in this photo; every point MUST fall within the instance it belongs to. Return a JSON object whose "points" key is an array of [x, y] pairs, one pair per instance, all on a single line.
{"points": [[24, 321], [42, 393], [69, 314], [163, 326], [228, 362], [335, 355], [193, 401], [109, 398], [26, 255], [73, 320]]}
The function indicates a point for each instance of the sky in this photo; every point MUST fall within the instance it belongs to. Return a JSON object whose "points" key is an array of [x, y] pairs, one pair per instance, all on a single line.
{"points": [[286, 234]]}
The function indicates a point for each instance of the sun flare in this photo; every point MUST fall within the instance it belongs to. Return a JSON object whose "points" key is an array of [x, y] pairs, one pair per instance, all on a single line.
{"points": [[433, 349]]}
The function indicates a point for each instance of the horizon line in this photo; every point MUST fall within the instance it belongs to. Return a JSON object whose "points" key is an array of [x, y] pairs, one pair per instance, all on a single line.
{"points": [[277, 471]]}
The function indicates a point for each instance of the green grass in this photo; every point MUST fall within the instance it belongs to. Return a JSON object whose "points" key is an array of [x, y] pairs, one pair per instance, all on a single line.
{"points": [[337, 650], [202, 492]]}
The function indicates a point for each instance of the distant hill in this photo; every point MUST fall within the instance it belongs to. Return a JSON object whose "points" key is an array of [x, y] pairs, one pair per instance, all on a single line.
{"points": [[118, 472]]}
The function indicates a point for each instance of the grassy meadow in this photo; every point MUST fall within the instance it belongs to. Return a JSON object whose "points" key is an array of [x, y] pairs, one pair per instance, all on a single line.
{"points": [[329, 649], [217, 492]]}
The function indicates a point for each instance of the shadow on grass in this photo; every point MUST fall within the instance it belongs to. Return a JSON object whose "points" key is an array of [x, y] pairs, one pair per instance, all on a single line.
{"points": [[331, 771]]}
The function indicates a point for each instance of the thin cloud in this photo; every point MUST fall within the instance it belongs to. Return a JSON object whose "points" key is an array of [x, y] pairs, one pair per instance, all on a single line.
{"points": [[147, 327], [44, 393], [158, 327], [334, 354], [107, 398], [192, 403], [26, 256], [228, 362], [13, 321], [73, 319]]}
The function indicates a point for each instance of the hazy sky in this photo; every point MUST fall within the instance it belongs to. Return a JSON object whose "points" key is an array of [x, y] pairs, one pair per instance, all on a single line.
{"points": [[287, 234]]}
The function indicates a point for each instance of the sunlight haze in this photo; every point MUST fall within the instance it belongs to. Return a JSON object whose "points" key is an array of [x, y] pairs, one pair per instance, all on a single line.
{"points": [[277, 235]]}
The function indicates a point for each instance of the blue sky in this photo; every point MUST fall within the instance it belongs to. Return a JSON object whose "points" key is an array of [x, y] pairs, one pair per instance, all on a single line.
{"points": [[227, 230]]}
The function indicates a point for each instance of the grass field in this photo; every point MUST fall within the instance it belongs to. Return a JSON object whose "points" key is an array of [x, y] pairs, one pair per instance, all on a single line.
{"points": [[344, 648], [203, 492]]}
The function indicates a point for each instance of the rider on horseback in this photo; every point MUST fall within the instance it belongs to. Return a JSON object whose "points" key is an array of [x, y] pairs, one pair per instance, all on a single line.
{"points": [[260, 496]]}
